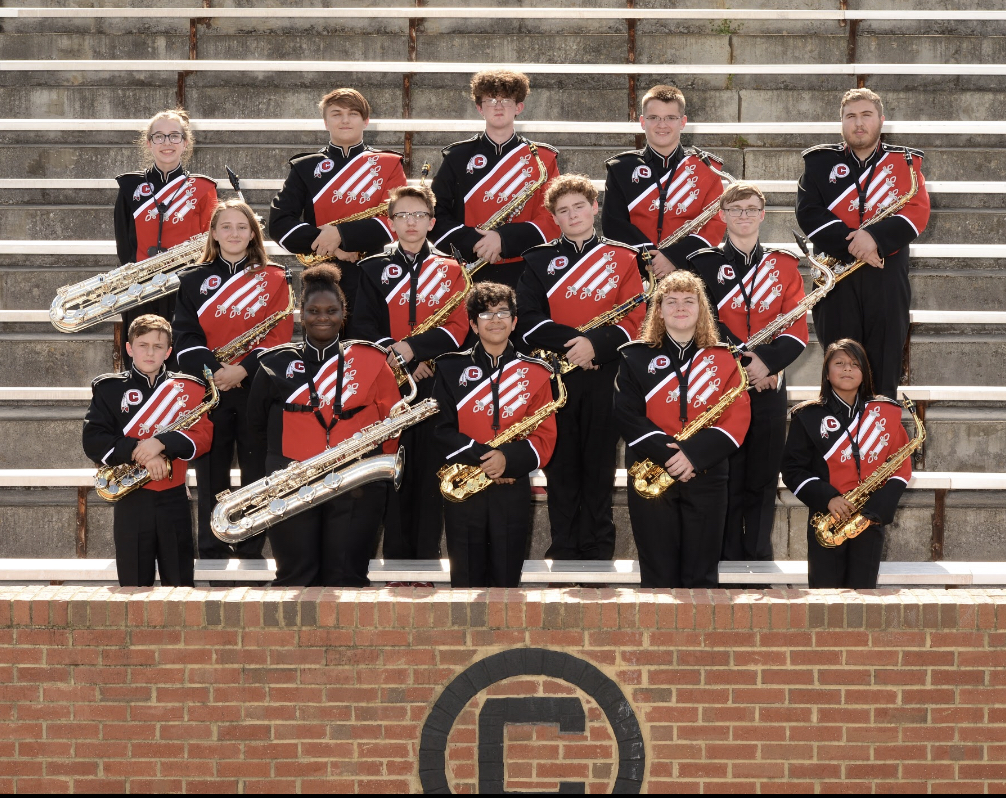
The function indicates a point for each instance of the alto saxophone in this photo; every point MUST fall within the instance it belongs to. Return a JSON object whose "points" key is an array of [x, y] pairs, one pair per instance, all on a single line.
{"points": [[651, 480], [703, 218], [831, 533], [113, 482], [244, 343], [459, 481], [250, 510]]}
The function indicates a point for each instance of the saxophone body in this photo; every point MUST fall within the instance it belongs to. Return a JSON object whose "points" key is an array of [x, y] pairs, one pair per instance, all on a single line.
{"points": [[113, 482], [369, 213], [702, 219], [831, 533], [244, 343], [650, 479], [459, 481]]}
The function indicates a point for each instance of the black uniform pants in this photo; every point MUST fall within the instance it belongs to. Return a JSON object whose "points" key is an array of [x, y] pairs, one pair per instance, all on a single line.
{"points": [[487, 535], [754, 477], [165, 308], [151, 526], [854, 564], [330, 545], [581, 473], [213, 474], [871, 306], [679, 535]]}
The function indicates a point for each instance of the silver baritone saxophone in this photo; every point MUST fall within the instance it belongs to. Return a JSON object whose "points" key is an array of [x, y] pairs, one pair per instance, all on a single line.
{"points": [[250, 510]]}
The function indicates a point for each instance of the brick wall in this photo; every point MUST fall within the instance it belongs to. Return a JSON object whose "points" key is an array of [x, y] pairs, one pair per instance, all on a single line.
{"points": [[329, 690]]}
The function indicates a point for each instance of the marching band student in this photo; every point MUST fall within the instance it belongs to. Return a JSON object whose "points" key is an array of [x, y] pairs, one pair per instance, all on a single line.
{"points": [[232, 292], [750, 286], [345, 179], [666, 380], [480, 175], [308, 397], [163, 205], [483, 392], [399, 290], [836, 442], [845, 187], [565, 285], [651, 193], [152, 525]]}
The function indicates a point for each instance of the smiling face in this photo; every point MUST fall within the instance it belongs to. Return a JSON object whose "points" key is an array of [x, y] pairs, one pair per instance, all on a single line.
{"points": [[575, 215], [861, 126], [663, 122], [345, 125], [149, 351], [499, 115], [323, 316], [680, 311], [743, 217], [167, 155], [411, 229], [845, 372], [233, 234], [494, 332]]}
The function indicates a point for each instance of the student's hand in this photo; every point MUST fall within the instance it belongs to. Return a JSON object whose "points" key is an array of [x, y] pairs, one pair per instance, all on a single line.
{"points": [[505, 481], [755, 368], [404, 349], [582, 352], [423, 370], [769, 383], [490, 246], [841, 509], [863, 246], [328, 241], [158, 469], [679, 466], [147, 450], [349, 257], [228, 377], [660, 264], [494, 464]]}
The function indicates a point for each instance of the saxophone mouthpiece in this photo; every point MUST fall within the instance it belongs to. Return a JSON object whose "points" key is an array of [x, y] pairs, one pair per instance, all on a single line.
{"points": [[235, 183], [802, 242]]}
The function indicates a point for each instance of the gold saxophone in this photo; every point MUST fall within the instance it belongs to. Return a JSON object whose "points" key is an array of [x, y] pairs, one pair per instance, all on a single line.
{"points": [[113, 482], [843, 270], [245, 342], [831, 533], [459, 481], [703, 218], [651, 480]]}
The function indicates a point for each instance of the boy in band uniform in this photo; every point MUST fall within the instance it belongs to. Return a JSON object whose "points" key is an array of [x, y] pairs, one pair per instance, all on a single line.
{"points": [[567, 283], [480, 175], [152, 524], [651, 193]]}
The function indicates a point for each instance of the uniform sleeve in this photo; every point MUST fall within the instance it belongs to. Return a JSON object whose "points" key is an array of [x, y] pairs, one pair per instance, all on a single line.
{"points": [[125, 229], [883, 504], [798, 469], [286, 226], [454, 446], [450, 229], [103, 440], [629, 412], [535, 327], [190, 443], [387, 395], [715, 443], [282, 333], [370, 316], [615, 222], [191, 351], [260, 400], [790, 343], [898, 231], [370, 235], [448, 337], [534, 451], [207, 203], [540, 229], [709, 235], [608, 338], [820, 225]]}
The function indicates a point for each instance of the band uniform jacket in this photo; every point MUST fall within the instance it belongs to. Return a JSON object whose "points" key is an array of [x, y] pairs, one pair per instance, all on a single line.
{"points": [[649, 403], [190, 199], [328, 185], [820, 462], [126, 409], [384, 301], [564, 287], [749, 291], [687, 179], [281, 416], [464, 390], [218, 301], [838, 194], [476, 179]]}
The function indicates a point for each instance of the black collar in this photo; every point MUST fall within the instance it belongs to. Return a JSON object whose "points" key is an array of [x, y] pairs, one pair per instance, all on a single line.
{"points": [[745, 259], [157, 177], [579, 249], [872, 158], [840, 406], [667, 162], [335, 152], [499, 149], [403, 259], [311, 352], [479, 352], [151, 383], [680, 354], [232, 268]]}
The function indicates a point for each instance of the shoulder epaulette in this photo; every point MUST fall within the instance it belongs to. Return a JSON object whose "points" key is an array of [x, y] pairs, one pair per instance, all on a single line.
{"points": [[369, 258], [387, 152], [465, 353], [804, 405], [538, 360], [636, 153], [636, 342], [279, 348], [129, 174], [702, 155], [300, 156], [110, 375], [542, 144], [823, 147], [887, 399], [780, 250], [204, 177], [178, 375], [615, 243], [447, 149], [899, 148], [705, 251], [546, 245], [355, 341]]}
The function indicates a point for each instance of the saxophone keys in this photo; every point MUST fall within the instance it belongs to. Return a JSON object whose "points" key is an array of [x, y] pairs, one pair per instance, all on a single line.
{"points": [[134, 290], [112, 489], [332, 480], [101, 483], [277, 506], [306, 493], [109, 300], [159, 279]]}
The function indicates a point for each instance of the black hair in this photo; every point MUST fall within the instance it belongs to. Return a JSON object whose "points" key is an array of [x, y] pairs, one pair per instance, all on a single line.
{"points": [[323, 277], [484, 295]]}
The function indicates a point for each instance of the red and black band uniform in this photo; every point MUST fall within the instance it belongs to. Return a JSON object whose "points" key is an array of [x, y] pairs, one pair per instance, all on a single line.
{"points": [[155, 211], [821, 463], [679, 535], [839, 194], [152, 524], [748, 290], [481, 396], [564, 286], [296, 411], [398, 291], [334, 184], [648, 196], [476, 179], [217, 302]]}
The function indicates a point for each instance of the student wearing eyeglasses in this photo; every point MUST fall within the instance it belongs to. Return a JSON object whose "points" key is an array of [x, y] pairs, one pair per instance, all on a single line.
{"points": [[481, 175], [749, 286], [651, 193], [161, 206], [399, 291]]}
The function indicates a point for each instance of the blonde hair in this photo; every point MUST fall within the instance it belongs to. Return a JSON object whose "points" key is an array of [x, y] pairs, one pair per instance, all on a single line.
{"points": [[685, 283], [568, 184], [855, 95], [182, 118], [256, 247]]}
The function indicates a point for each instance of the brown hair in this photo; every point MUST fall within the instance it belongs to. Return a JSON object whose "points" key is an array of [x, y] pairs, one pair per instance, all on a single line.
{"points": [[687, 283], [256, 247], [665, 94], [422, 193], [568, 184], [503, 83], [148, 322], [741, 190], [345, 98], [485, 295], [855, 350], [855, 95], [182, 118]]}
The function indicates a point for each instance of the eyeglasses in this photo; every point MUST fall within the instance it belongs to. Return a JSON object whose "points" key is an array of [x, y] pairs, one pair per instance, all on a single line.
{"points": [[492, 102], [419, 216], [489, 315], [159, 138], [737, 213], [670, 120]]}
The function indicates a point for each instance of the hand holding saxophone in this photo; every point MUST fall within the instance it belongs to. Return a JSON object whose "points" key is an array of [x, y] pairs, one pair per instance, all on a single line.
{"points": [[678, 465], [863, 246]]}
